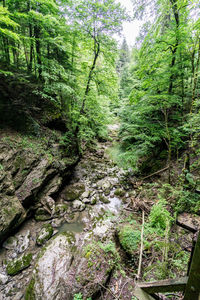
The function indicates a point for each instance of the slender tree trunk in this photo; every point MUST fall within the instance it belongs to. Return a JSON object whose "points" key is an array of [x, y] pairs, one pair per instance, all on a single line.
{"points": [[174, 50], [195, 78], [26, 54], [6, 43], [87, 89], [38, 50], [96, 55], [182, 86], [168, 143], [30, 64]]}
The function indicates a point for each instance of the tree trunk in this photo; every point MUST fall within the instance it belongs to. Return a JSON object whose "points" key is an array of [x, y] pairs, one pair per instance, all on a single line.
{"points": [[30, 64], [38, 50], [176, 16], [195, 78], [96, 54]]}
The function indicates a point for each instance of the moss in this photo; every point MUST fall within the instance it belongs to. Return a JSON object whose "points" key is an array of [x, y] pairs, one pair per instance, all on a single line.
{"points": [[29, 294], [41, 215], [120, 193], [45, 234], [14, 267], [129, 238], [60, 208], [74, 192], [103, 199]]}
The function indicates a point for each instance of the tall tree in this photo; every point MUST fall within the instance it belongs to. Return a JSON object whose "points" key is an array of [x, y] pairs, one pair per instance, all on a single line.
{"points": [[98, 20]]}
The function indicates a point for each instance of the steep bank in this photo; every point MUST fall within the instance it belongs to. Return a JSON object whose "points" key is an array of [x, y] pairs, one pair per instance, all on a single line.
{"points": [[31, 173]]}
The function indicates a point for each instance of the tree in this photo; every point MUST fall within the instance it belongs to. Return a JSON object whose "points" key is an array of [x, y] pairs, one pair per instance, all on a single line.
{"points": [[154, 121], [98, 20]]}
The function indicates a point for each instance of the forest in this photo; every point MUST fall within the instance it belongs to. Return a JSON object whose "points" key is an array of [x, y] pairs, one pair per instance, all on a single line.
{"points": [[80, 108]]}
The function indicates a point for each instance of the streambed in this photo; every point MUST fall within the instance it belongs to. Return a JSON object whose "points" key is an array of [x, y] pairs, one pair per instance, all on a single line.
{"points": [[88, 207]]}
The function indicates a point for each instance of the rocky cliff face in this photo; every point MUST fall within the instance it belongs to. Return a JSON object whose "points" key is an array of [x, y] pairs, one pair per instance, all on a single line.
{"points": [[31, 173]]}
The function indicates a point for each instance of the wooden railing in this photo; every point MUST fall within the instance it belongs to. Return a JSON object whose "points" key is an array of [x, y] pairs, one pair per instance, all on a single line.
{"points": [[189, 285]]}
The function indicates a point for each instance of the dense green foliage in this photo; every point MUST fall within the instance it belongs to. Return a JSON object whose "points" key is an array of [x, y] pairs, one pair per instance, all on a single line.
{"points": [[161, 117], [66, 51]]}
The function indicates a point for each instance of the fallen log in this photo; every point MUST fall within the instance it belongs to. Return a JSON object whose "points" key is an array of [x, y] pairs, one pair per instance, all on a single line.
{"points": [[155, 173]]}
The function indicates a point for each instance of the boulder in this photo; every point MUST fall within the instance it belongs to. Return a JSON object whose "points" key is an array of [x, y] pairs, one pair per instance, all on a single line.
{"points": [[78, 205], [62, 272], [12, 214], [45, 234], [15, 266], [51, 267], [42, 215], [73, 191], [86, 194], [19, 243]]}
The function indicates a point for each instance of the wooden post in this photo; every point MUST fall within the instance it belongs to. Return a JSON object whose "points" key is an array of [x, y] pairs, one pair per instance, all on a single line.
{"points": [[192, 290]]}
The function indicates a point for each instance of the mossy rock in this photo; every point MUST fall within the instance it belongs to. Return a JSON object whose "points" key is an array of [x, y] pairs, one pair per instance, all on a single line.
{"points": [[129, 238], [42, 215], [74, 191], [104, 199], [12, 214], [16, 266], [119, 193], [93, 200], [61, 208], [45, 234]]}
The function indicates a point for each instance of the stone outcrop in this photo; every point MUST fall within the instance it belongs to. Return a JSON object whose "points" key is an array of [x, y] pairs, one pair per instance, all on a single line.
{"points": [[30, 175], [67, 268]]}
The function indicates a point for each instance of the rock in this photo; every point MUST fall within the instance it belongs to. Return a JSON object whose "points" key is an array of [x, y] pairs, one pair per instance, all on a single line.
{"points": [[72, 217], [120, 192], [52, 187], [10, 243], [19, 243], [78, 205], [23, 242], [18, 296], [104, 184], [104, 199], [86, 194], [57, 223], [61, 209], [12, 214], [34, 180], [51, 267], [49, 203], [92, 269], [42, 215], [45, 234], [3, 279], [61, 272], [93, 200], [73, 191], [86, 200], [19, 264]]}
